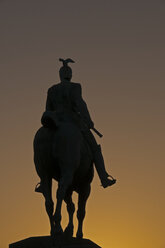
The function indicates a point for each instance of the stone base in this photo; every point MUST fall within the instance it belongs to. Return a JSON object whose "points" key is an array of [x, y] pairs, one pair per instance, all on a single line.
{"points": [[48, 242]]}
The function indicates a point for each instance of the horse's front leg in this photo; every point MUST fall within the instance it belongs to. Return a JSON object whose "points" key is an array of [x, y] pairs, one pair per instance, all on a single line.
{"points": [[71, 209], [49, 205], [83, 196], [61, 191], [57, 215]]}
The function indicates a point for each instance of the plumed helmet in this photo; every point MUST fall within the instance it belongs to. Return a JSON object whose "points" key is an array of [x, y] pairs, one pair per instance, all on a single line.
{"points": [[65, 71]]}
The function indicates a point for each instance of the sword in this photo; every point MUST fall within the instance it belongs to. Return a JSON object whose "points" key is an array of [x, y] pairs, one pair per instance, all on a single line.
{"points": [[94, 129], [97, 132]]}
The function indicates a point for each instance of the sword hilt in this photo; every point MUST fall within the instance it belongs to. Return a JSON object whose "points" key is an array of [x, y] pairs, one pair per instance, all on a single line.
{"points": [[97, 132]]}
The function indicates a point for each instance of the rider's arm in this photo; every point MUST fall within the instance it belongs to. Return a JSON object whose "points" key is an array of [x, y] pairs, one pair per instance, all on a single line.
{"points": [[49, 105], [81, 106]]}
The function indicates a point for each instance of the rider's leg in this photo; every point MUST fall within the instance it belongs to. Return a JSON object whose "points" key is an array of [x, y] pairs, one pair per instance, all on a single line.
{"points": [[98, 159], [100, 167]]}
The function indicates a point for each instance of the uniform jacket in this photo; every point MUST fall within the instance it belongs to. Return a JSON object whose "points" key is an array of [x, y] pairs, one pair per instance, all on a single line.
{"points": [[66, 100]]}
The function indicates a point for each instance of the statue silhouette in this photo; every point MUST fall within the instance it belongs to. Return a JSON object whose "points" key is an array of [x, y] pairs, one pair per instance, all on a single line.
{"points": [[66, 150]]}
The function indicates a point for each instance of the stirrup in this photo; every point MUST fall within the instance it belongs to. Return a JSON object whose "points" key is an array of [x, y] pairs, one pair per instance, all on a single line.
{"points": [[111, 177], [38, 188]]}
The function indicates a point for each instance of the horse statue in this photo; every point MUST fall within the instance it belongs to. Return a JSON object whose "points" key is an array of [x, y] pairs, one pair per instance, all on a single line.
{"points": [[66, 150], [64, 155]]}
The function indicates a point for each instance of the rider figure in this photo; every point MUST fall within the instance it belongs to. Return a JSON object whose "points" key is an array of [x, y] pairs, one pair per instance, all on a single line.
{"points": [[65, 103]]}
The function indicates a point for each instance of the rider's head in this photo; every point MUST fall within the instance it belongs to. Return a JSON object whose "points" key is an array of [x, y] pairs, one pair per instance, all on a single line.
{"points": [[65, 71]]}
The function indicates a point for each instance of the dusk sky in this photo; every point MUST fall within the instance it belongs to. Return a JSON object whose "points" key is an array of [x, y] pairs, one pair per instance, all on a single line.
{"points": [[119, 50]]}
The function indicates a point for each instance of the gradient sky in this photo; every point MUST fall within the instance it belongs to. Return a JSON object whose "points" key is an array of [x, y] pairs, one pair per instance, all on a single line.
{"points": [[119, 49]]}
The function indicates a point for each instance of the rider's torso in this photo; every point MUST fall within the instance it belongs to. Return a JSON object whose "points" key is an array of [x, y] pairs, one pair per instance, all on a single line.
{"points": [[61, 96]]}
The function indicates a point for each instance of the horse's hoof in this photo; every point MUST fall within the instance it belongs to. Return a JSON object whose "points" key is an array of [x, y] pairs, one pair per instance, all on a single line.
{"points": [[57, 241], [79, 235], [57, 232], [68, 233], [52, 234]]}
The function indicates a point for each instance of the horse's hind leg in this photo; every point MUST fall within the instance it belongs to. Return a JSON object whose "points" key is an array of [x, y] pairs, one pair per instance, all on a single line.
{"points": [[83, 196], [49, 205], [71, 209]]}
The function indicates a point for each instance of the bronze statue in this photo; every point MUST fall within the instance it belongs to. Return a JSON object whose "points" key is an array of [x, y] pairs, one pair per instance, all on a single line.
{"points": [[65, 150]]}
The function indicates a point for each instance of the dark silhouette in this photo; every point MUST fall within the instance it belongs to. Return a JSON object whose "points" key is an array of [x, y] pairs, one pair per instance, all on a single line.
{"points": [[62, 154], [65, 150]]}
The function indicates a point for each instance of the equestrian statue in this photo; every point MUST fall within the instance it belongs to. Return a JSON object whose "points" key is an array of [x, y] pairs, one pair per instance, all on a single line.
{"points": [[65, 149]]}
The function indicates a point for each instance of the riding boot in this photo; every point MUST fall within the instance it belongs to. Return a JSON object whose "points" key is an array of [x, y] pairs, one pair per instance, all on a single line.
{"points": [[100, 167]]}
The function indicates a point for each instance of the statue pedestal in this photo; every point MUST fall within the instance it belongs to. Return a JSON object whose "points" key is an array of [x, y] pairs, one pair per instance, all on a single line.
{"points": [[48, 242]]}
